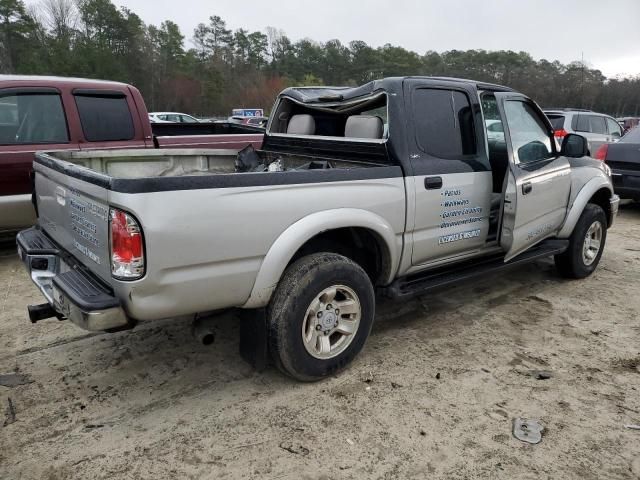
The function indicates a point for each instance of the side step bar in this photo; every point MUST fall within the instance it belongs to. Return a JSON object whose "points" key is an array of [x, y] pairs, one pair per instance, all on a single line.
{"points": [[412, 285]]}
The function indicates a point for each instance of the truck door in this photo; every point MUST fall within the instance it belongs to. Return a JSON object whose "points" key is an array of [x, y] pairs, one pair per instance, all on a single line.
{"points": [[451, 174], [538, 183]]}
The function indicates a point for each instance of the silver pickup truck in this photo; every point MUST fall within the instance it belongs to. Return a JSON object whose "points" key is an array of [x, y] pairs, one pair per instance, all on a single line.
{"points": [[394, 188]]}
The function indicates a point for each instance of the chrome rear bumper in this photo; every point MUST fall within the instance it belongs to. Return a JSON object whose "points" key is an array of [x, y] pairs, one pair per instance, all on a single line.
{"points": [[72, 291]]}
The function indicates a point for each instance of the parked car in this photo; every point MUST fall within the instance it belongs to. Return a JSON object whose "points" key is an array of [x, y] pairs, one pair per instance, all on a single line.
{"points": [[624, 159], [628, 123], [49, 113], [597, 128], [171, 117], [304, 232]]}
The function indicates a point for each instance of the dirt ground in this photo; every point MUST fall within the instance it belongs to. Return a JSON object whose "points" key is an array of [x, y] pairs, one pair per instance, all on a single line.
{"points": [[433, 395]]}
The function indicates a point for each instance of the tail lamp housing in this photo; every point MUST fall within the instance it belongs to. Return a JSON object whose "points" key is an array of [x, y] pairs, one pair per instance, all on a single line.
{"points": [[561, 133], [127, 246], [601, 153]]}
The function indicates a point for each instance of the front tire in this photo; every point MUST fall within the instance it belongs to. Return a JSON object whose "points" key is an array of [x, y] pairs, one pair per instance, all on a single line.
{"points": [[320, 316], [586, 244]]}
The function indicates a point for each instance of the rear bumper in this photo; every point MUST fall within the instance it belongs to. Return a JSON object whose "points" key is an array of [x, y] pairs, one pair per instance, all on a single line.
{"points": [[72, 291], [626, 184]]}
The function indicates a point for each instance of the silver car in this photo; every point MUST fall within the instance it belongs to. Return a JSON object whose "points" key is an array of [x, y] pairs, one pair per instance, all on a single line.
{"points": [[597, 128]]}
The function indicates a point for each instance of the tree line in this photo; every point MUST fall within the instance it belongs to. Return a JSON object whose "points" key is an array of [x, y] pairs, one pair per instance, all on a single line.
{"points": [[216, 68]]}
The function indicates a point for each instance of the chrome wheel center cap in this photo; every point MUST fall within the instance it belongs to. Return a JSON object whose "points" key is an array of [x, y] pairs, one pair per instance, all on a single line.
{"points": [[328, 321]]}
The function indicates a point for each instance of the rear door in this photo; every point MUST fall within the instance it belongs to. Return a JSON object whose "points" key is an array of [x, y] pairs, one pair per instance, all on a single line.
{"points": [[31, 119], [538, 181], [593, 128], [451, 174], [107, 119]]}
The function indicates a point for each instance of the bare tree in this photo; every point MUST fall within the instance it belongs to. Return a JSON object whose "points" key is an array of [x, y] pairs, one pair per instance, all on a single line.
{"points": [[60, 17]]}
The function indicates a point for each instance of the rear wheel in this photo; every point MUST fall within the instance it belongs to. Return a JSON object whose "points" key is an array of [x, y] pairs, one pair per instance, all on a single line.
{"points": [[585, 245], [320, 316]]}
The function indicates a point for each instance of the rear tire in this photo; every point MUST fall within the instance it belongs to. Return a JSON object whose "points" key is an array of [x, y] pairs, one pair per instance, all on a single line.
{"points": [[586, 244], [320, 316]]}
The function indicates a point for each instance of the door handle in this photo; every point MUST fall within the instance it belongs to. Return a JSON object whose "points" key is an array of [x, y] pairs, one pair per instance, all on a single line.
{"points": [[433, 183], [527, 188]]}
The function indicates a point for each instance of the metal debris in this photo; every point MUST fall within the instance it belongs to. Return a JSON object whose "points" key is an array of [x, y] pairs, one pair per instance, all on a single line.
{"points": [[14, 379], [527, 430], [541, 374], [632, 427], [10, 413]]}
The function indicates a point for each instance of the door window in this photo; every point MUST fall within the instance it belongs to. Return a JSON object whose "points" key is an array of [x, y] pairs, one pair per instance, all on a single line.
{"points": [[529, 136], [614, 128], [444, 123], [32, 118], [188, 119], [597, 125], [105, 118]]}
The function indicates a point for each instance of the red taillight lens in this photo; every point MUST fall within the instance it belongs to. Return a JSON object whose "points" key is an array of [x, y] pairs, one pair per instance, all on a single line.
{"points": [[127, 250], [560, 133], [601, 154]]}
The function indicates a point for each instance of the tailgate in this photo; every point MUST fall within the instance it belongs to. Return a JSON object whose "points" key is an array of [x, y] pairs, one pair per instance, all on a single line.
{"points": [[75, 212]]}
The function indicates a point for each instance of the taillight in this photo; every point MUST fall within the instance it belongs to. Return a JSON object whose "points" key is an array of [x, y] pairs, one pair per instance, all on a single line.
{"points": [[601, 154], [127, 248], [560, 133]]}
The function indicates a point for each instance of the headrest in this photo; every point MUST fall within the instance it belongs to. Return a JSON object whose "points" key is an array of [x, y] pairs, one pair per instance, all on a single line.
{"points": [[301, 125], [364, 126]]}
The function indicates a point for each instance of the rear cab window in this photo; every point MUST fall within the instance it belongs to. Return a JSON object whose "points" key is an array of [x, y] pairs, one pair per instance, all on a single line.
{"points": [[104, 116]]}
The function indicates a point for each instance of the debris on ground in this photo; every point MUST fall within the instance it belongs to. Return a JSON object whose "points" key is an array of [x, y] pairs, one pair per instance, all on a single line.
{"points": [[295, 449], [14, 379], [10, 413], [632, 427], [395, 385], [541, 374], [438, 376], [350, 442], [527, 430]]}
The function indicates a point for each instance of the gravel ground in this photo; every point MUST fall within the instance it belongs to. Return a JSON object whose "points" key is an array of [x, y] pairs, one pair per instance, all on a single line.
{"points": [[433, 395]]}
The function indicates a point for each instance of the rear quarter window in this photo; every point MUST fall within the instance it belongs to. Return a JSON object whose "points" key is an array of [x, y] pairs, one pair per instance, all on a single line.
{"points": [[105, 118], [557, 121], [443, 123]]}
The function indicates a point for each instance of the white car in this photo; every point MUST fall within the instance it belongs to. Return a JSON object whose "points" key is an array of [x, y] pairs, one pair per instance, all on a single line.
{"points": [[495, 130], [172, 117]]}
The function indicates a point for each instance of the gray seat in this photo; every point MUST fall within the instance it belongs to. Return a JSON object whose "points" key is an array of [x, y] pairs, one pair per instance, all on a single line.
{"points": [[364, 126], [302, 124]]}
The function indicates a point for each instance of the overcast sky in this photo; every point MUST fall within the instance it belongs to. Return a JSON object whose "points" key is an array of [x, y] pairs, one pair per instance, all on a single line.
{"points": [[607, 31]]}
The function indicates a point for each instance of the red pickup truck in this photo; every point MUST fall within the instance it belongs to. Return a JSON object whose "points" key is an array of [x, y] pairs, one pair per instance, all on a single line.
{"points": [[51, 113]]}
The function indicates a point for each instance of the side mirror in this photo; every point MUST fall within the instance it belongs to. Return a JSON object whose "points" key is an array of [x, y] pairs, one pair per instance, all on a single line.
{"points": [[574, 146]]}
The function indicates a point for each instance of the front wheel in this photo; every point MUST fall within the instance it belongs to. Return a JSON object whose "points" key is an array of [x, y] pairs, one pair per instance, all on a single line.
{"points": [[585, 245], [320, 316]]}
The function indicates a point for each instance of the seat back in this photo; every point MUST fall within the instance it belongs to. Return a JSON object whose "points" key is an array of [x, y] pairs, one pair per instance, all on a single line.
{"points": [[302, 124], [364, 126]]}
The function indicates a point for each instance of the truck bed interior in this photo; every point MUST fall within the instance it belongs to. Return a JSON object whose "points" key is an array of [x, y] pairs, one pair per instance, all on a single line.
{"points": [[132, 164]]}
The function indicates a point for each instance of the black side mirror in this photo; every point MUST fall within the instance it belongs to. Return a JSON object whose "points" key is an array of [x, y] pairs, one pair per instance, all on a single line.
{"points": [[574, 146]]}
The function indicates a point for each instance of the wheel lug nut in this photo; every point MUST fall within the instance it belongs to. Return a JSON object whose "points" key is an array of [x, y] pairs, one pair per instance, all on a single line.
{"points": [[319, 314], [318, 327], [329, 307], [337, 311]]}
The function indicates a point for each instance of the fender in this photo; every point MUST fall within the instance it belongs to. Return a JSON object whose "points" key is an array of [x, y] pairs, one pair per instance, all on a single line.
{"points": [[296, 235], [580, 202]]}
